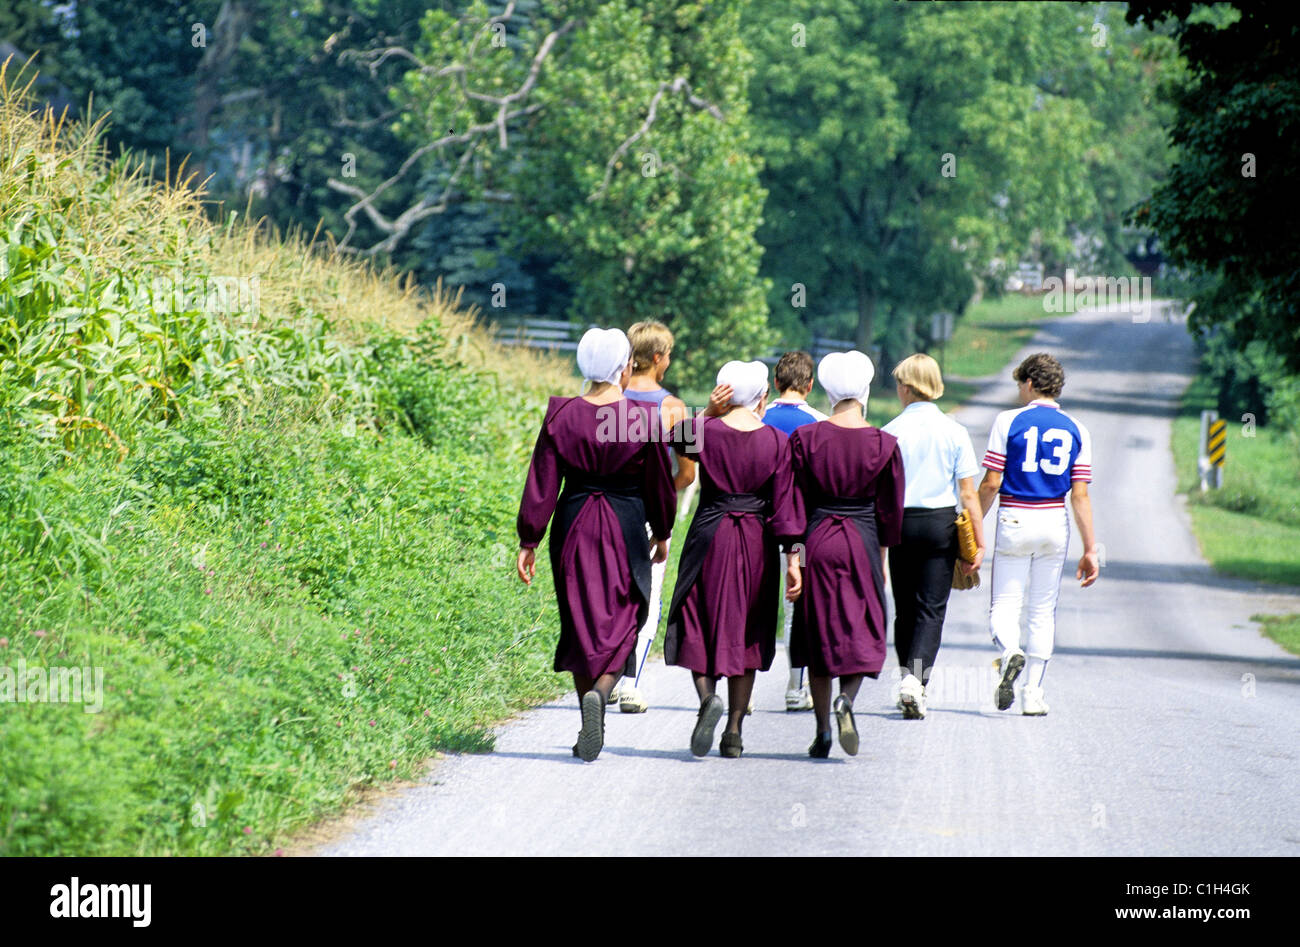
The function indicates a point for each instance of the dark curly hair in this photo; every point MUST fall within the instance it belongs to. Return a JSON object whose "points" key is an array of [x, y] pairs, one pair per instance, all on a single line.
{"points": [[794, 370], [1043, 372]]}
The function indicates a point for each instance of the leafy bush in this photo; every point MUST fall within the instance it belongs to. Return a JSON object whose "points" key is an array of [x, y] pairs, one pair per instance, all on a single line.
{"points": [[284, 535]]}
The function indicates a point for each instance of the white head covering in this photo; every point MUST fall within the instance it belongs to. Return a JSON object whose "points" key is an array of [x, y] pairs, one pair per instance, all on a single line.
{"points": [[748, 381], [846, 375], [603, 354]]}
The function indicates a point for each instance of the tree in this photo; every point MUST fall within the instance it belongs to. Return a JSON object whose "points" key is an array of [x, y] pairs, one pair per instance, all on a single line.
{"points": [[1229, 205], [907, 147], [617, 136]]}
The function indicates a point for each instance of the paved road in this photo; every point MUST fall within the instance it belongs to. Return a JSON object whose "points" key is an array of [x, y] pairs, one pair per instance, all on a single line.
{"points": [[1173, 725]]}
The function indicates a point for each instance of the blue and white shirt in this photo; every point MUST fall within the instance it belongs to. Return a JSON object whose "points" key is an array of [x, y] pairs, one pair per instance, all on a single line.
{"points": [[1040, 451], [788, 415], [937, 453]]}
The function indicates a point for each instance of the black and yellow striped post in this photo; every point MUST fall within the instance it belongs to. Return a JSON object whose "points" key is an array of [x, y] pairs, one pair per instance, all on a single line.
{"points": [[1214, 448]]}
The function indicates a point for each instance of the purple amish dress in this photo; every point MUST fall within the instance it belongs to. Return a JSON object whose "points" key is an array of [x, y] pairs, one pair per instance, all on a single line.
{"points": [[851, 482], [600, 554], [722, 621]]}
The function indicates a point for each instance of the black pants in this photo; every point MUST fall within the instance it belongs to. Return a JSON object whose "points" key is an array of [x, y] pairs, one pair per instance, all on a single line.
{"points": [[920, 570]]}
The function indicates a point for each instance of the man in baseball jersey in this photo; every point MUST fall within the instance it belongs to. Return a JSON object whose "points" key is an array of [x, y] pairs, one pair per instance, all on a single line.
{"points": [[1036, 455]]}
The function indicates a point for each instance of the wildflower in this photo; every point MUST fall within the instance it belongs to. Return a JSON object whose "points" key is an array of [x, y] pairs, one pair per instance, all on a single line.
{"points": [[40, 633], [4, 642], [279, 853], [372, 723], [248, 830]]}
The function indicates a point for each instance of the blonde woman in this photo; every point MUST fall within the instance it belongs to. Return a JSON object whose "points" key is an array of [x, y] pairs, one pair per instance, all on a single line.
{"points": [[940, 466], [652, 347]]}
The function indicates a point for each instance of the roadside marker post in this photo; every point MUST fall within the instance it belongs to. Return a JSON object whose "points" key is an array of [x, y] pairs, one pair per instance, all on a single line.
{"points": [[1214, 449]]}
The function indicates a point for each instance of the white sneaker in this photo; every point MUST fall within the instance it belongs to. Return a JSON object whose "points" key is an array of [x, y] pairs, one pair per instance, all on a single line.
{"points": [[1031, 701], [630, 700], [1009, 666], [798, 698], [911, 698], [614, 694]]}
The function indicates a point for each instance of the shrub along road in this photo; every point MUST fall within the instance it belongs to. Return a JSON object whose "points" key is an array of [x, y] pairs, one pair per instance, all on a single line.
{"points": [[1171, 732]]}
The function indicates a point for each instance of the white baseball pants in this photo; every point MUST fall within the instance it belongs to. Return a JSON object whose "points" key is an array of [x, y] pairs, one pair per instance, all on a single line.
{"points": [[1028, 558]]}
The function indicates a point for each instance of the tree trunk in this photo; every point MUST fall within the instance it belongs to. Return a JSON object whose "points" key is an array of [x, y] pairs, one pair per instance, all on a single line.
{"points": [[866, 312], [233, 20]]}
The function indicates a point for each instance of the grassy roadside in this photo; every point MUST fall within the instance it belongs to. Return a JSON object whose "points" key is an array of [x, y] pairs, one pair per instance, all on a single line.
{"points": [[1251, 527], [263, 539]]}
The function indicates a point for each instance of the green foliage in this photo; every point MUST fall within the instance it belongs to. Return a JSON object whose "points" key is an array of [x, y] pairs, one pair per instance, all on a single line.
{"points": [[292, 612], [858, 126], [1251, 526], [289, 595], [1228, 204], [671, 236]]}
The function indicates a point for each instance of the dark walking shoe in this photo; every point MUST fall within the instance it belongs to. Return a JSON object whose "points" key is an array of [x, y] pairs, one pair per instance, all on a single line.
{"points": [[820, 748], [730, 746], [591, 738], [705, 724], [1011, 664], [848, 728]]}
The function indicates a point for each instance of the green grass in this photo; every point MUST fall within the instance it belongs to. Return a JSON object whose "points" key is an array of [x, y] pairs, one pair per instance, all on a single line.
{"points": [[284, 537], [1251, 527], [989, 335], [357, 614], [1284, 629]]}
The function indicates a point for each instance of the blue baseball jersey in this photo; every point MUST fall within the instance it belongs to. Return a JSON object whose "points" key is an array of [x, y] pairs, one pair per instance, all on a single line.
{"points": [[1040, 451], [787, 415]]}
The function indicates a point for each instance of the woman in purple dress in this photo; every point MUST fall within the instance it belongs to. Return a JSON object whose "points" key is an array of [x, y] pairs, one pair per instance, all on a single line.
{"points": [[616, 478], [850, 479], [722, 622]]}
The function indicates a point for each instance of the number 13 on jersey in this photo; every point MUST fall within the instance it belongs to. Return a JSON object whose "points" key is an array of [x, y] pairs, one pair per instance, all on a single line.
{"points": [[1059, 459]]}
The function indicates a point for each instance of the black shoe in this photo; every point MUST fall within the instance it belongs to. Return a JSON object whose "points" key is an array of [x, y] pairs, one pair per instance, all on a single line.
{"points": [[848, 728], [591, 738], [820, 748], [705, 724], [730, 746]]}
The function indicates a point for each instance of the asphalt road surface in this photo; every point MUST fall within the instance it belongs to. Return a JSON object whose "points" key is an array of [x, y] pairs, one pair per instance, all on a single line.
{"points": [[1172, 731]]}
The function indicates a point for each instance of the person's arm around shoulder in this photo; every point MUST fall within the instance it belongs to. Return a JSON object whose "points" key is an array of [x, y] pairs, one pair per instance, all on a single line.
{"points": [[674, 410]]}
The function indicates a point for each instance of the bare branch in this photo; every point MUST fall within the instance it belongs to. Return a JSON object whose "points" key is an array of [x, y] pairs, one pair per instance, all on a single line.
{"points": [[396, 228], [674, 86]]}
